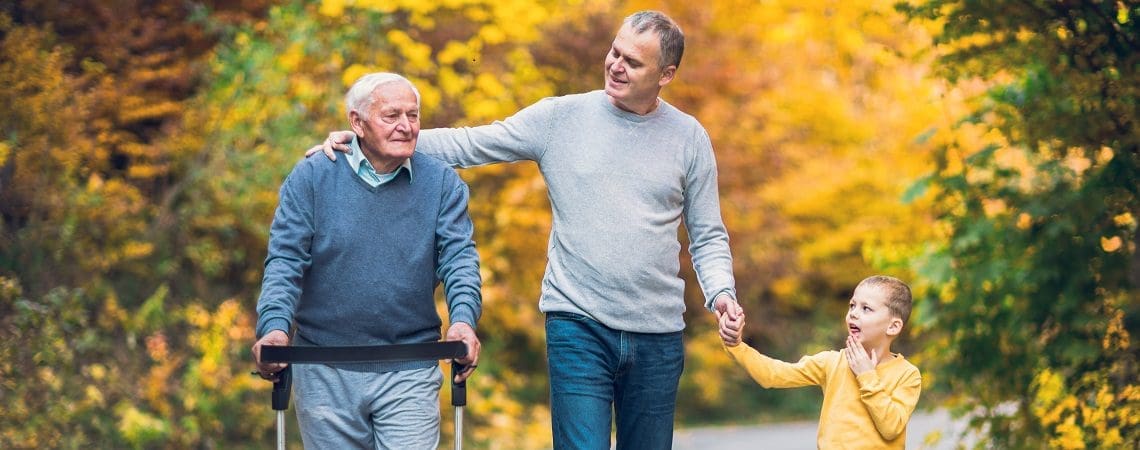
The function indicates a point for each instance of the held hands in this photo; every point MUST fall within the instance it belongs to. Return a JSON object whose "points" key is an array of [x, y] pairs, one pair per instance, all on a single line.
{"points": [[730, 318], [337, 142], [461, 331], [269, 371], [858, 358]]}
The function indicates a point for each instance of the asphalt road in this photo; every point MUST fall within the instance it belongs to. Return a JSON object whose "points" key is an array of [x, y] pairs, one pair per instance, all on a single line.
{"points": [[933, 430]]}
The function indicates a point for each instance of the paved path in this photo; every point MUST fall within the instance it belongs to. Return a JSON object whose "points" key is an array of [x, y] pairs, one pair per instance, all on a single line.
{"points": [[801, 435]]}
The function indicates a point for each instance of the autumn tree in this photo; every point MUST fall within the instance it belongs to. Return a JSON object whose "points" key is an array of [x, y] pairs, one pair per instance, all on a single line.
{"points": [[94, 94], [1033, 286]]}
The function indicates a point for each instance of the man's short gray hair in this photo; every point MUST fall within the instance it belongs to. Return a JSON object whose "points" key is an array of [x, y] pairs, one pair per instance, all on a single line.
{"points": [[359, 96], [672, 39]]}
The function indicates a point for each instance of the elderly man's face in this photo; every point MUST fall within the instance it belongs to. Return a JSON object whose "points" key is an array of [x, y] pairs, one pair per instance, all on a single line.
{"points": [[388, 135]]}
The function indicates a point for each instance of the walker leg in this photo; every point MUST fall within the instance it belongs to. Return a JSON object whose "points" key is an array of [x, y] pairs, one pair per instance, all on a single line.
{"points": [[280, 430], [458, 428], [281, 389], [458, 400]]}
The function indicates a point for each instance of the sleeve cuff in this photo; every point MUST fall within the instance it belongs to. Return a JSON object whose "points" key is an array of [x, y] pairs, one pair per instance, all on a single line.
{"points": [[710, 303], [868, 381], [463, 313], [273, 324]]}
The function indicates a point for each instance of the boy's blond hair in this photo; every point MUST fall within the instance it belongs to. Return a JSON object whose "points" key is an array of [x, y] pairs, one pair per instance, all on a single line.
{"points": [[898, 294]]}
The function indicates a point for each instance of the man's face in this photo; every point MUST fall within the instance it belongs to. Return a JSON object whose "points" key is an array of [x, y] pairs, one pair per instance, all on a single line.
{"points": [[388, 135], [633, 75]]}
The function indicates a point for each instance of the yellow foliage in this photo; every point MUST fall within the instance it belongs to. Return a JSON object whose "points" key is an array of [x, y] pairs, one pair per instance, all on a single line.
{"points": [[332, 8], [291, 59], [1124, 220], [1070, 436], [417, 56], [1024, 221], [1111, 244], [354, 72], [1097, 407], [139, 427], [454, 51]]}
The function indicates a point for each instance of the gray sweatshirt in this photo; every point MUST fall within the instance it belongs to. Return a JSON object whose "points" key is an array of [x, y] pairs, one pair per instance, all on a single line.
{"points": [[619, 186]]}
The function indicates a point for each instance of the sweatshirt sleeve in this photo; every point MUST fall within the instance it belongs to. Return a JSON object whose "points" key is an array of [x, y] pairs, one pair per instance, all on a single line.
{"points": [[890, 406], [458, 260], [521, 137], [289, 255], [773, 373], [708, 238]]}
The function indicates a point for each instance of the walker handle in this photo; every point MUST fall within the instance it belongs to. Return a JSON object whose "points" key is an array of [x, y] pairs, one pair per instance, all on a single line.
{"points": [[281, 388]]}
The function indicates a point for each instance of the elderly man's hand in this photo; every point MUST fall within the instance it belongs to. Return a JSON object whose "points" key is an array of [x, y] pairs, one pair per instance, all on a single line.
{"points": [[337, 142], [461, 331], [269, 371]]}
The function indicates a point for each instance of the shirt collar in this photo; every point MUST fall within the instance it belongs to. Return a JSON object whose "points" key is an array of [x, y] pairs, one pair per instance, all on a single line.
{"points": [[356, 158]]}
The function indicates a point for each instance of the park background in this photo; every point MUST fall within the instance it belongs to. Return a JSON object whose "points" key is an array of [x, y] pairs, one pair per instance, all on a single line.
{"points": [[985, 151]]}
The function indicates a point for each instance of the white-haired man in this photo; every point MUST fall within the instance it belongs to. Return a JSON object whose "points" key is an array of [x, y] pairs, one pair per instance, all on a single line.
{"points": [[356, 251]]}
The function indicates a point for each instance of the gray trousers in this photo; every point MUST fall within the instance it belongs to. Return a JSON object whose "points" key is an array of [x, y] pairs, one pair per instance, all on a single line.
{"points": [[353, 409]]}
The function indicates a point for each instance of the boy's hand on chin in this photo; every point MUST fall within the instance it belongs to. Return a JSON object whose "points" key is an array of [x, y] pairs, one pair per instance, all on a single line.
{"points": [[858, 358]]}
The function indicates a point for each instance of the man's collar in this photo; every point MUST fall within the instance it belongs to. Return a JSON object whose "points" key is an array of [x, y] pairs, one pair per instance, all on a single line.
{"points": [[356, 158]]}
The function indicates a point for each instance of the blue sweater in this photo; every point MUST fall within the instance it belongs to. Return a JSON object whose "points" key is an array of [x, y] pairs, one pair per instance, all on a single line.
{"points": [[352, 264]]}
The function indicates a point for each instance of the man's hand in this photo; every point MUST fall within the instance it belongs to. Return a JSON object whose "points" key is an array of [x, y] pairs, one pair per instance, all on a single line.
{"points": [[724, 304], [337, 142], [461, 331], [269, 371], [730, 318], [731, 330], [858, 358]]}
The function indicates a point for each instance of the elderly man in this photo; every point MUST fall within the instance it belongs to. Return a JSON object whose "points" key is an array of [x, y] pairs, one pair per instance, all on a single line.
{"points": [[623, 169], [356, 251]]}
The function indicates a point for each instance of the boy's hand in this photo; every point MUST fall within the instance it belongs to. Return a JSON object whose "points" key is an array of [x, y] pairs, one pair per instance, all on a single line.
{"points": [[858, 358], [731, 328], [337, 140]]}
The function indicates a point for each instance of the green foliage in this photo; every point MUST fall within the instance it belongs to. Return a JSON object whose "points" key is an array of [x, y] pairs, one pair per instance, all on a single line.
{"points": [[1037, 275]]}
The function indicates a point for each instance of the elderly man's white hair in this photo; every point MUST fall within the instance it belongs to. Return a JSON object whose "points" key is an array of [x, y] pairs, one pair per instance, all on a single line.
{"points": [[359, 96]]}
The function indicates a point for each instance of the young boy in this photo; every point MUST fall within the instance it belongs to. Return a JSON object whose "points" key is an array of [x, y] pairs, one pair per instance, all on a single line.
{"points": [[868, 392]]}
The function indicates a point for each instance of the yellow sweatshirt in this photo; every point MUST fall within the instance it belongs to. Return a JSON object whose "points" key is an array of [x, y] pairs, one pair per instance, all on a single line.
{"points": [[865, 412]]}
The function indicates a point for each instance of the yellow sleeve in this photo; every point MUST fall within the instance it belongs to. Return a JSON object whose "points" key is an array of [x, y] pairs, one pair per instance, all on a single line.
{"points": [[890, 406], [773, 373]]}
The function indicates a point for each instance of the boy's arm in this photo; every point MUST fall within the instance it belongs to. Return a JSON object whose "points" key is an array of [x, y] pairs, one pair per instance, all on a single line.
{"points": [[773, 373], [890, 409]]}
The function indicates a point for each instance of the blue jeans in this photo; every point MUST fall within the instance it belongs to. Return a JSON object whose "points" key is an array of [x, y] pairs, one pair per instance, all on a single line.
{"points": [[598, 374]]}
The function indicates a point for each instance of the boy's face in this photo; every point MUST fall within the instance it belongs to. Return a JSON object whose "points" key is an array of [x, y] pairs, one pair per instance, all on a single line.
{"points": [[868, 318]]}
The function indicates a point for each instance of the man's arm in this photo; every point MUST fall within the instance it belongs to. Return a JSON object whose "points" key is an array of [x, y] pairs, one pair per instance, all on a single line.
{"points": [[458, 268], [708, 238], [521, 137], [287, 262]]}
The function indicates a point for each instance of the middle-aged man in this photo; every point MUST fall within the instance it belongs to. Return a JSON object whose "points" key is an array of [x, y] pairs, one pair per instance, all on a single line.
{"points": [[356, 251], [623, 168]]}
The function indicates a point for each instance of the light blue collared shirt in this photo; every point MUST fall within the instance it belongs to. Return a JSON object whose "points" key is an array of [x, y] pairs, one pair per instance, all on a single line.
{"points": [[366, 172]]}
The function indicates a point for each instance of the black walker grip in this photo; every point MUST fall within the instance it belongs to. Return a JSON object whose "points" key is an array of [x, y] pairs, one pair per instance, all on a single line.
{"points": [[458, 390], [281, 388]]}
